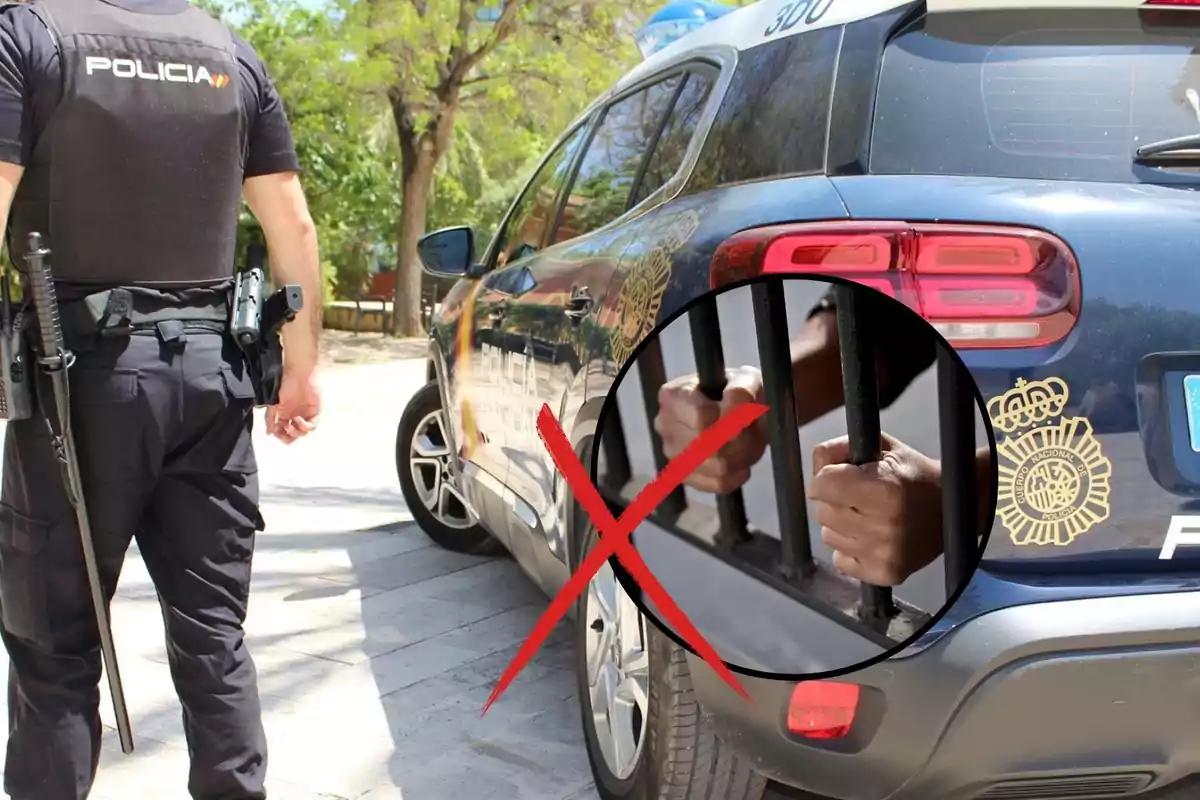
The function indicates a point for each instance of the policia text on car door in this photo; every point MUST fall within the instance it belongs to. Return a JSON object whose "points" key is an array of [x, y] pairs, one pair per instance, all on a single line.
{"points": [[130, 131]]}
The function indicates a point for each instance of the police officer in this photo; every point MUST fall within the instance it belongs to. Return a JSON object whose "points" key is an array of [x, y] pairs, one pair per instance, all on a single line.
{"points": [[130, 130], [882, 521]]}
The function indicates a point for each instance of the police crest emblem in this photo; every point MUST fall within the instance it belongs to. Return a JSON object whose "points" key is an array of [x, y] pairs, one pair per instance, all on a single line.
{"points": [[1054, 479], [646, 281]]}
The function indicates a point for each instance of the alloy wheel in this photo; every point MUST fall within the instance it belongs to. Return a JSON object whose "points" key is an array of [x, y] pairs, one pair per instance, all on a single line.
{"points": [[618, 672], [433, 473]]}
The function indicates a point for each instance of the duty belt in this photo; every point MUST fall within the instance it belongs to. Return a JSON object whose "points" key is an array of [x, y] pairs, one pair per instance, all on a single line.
{"points": [[118, 313]]}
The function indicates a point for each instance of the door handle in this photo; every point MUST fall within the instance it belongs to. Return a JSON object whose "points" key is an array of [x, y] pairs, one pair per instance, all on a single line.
{"points": [[579, 305]]}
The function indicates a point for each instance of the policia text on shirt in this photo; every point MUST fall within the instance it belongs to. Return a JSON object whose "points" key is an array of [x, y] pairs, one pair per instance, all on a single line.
{"points": [[136, 185]]}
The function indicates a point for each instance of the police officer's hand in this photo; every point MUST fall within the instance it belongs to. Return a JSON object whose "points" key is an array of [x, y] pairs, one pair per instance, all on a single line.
{"points": [[684, 411], [298, 409], [883, 520]]}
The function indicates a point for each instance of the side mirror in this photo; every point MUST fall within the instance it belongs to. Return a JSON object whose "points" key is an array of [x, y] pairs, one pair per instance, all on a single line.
{"points": [[449, 252]]}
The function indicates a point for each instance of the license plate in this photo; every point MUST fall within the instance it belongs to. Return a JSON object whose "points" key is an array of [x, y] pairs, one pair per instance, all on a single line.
{"points": [[1191, 394]]}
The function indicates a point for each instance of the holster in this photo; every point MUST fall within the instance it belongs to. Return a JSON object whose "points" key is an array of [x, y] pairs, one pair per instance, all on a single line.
{"points": [[266, 373], [17, 370]]}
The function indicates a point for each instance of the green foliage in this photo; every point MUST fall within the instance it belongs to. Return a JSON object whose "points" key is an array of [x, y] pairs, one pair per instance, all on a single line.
{"points": [[348, 158], [366, 82]]}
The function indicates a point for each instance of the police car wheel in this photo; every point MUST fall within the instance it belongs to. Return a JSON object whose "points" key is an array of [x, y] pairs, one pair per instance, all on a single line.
{"points": [[644, 733], [423, 464]]}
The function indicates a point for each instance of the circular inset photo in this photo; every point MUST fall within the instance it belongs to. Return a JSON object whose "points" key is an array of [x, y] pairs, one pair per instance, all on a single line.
{"points": [[821, 472]]}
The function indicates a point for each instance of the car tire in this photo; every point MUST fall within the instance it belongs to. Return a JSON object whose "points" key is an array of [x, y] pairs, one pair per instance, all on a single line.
{"points": [[422, 465], [680, 757]]}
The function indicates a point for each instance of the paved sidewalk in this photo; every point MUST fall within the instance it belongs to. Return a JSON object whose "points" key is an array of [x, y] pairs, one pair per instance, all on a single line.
{"points": [[376, 650]]}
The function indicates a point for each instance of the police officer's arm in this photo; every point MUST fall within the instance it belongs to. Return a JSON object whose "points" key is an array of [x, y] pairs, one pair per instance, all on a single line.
{"points": [[20, 57], [10, 176], [816, 360], [278, 203], [272, 189]]}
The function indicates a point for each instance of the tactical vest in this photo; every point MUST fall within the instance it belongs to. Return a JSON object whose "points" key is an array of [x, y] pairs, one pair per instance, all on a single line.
{"points": [[136, 178]]}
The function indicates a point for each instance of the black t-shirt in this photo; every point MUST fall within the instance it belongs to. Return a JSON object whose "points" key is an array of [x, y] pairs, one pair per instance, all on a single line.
{"points": [[31, 86], [907, 349]]}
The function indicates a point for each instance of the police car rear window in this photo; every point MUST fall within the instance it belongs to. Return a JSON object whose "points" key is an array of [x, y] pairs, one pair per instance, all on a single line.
{"points": [[1036, 95], [774, 115]]}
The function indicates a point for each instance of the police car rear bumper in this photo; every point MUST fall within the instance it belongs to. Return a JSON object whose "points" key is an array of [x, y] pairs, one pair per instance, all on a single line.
{"points": [[1081, 698]]}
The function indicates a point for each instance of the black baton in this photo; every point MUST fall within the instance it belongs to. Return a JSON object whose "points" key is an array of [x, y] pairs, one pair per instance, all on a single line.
{"points": [[56, 361]]}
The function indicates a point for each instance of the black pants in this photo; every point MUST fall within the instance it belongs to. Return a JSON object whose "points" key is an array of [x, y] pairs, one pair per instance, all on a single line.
{"points": [[163, 434]]}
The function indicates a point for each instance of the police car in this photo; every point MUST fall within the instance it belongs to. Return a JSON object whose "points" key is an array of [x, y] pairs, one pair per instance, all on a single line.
{"points": [[1023, 174]]}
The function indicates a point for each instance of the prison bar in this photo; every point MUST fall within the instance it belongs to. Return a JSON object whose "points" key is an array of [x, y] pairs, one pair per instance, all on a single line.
{"points": [[779, 394], [617, 470], [960, 493], [652, 375], [860, 382], [705, 324], [786, 563]]}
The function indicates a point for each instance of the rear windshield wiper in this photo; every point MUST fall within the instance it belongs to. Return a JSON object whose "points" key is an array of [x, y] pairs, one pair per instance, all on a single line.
{"points": [[1182, 150]]}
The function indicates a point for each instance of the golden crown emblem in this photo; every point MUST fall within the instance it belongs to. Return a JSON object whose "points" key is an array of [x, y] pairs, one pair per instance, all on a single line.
{"points": [[1028, 404]]}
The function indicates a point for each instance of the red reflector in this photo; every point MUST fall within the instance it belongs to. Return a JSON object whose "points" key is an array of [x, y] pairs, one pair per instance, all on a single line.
{"points": [[981, 286], [823, 709]]}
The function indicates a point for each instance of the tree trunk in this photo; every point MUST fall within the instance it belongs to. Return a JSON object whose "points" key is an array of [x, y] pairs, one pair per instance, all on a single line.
{"points": [[414, 197], [420, 150]]}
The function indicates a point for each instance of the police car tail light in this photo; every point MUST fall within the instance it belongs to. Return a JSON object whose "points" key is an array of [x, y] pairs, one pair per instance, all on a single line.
{"points": [[823, 709], [980, 286]]}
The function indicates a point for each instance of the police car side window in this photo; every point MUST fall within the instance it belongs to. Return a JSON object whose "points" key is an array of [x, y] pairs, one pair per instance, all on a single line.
{"points": [[538, 206], [600, 191], [667, 157], [774, 117]]}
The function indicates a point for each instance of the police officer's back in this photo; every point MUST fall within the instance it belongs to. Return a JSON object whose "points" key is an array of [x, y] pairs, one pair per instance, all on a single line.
{"points": [[129, 131]]}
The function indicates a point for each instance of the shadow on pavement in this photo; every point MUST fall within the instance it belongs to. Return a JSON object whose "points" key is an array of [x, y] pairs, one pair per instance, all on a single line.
{"points": [[439, 630], [376, 651], [429, 633]]}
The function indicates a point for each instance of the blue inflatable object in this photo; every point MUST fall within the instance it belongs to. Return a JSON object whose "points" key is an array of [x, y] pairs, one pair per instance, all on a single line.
{"points": [[674, 21]]}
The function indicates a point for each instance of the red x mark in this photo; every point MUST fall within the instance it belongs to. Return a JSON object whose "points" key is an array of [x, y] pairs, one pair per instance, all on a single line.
{"points": [[614, 536]]}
